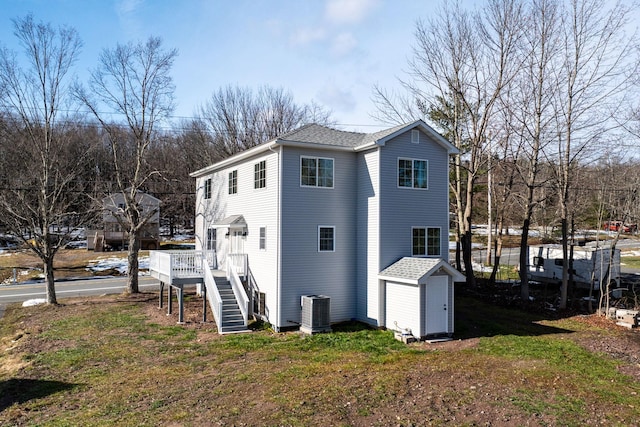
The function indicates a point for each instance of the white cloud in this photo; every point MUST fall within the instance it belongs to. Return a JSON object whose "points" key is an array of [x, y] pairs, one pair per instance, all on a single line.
{"points": [[125, 7], [343, 44], [130, 22], [349, 11], [304, 36]]}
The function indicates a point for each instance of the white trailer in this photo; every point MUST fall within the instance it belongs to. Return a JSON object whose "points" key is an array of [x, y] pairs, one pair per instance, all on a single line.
{"points": [[590, 265]]}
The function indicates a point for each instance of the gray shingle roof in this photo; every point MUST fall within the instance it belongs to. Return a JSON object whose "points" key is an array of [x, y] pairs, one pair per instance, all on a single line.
{"points": [[318, 134], [410, 268]]}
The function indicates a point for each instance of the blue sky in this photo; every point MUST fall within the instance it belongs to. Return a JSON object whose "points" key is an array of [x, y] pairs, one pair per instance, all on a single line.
{"points": [[328, 51]]}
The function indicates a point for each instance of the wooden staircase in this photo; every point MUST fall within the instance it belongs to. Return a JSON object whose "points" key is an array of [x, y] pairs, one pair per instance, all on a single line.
{"points": [[231, 318]]}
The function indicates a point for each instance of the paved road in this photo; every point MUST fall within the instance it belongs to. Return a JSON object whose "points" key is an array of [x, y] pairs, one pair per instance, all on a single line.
{"points": [[72, 288]]}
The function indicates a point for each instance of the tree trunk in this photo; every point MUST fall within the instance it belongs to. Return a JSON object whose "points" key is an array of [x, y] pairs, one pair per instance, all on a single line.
{"points": [[524, 260], [133, 265], [496, 257], [564, 287], [51, 287]]}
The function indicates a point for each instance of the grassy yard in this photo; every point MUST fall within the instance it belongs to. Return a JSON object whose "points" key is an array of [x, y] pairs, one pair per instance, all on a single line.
{"points": [[118, 361]]}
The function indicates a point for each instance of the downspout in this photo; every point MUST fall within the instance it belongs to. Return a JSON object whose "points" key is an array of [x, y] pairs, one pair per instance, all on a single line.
{"points": [[278, 235]]}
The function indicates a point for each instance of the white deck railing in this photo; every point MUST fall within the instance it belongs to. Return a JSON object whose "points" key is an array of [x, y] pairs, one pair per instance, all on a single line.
{"points": [[181, 264], [237, 262]]}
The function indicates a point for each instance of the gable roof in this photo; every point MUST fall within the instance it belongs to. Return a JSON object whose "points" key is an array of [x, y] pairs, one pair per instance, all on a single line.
{"points": [[416, 271], [140, 193], [232, 221], [325, 137]]}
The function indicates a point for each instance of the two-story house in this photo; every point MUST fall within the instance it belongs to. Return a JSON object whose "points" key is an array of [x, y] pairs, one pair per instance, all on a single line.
{"points": [[359, 218], [113, 236]]}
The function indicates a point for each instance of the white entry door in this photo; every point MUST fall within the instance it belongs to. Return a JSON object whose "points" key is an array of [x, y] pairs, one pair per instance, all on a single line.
{"points": [[437, 315]]}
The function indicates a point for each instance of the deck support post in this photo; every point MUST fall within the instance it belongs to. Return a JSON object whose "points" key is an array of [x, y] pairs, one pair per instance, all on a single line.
{"points": [[180, 305], [169, 301], [161, 304], [204, 304]]}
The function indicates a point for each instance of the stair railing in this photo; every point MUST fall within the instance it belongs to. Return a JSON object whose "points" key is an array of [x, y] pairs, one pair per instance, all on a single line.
{"points": [[238, 290], [213, 295]]}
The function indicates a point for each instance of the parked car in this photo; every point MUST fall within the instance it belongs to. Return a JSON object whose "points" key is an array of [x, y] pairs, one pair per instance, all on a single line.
{"points": [[620, 226]]}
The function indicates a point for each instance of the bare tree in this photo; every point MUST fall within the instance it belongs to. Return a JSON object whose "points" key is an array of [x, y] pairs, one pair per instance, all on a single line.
{"points": [[531, 103], [237, 118], [130, 93], [39, 185], [466, 59], [597, 66]]}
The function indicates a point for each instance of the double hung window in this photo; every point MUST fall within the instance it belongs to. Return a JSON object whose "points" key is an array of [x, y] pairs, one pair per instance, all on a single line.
{"points": [[326, 239], [260, 175], [233, 182], [211, 239], [413, 173], [207, 188], [425, 241], [316, 172]]}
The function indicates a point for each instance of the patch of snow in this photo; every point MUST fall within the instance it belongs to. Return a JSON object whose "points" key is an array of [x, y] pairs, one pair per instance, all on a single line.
{"points": [[119, 264], [32, 302]]}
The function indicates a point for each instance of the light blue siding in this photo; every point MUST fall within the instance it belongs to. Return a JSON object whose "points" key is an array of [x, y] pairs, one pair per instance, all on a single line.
{"points": [[368, 237], [305, 271], [387, 213], [372, 218], [404, 208]]}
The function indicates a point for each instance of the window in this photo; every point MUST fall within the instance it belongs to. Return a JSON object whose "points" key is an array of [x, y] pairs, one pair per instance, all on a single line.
{"points": [[211, 239], [316, 172], [233, 182], [425, 241], [207, 189], [412, 173], [326, 239], [260, 175], [415, 136], [263, 238]]}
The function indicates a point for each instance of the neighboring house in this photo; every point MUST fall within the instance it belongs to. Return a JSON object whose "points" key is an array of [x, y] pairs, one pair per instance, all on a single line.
{"points": [[112, 236], [359, 218]]}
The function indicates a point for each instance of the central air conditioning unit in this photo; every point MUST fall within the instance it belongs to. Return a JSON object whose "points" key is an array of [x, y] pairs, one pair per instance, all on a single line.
{"points": [[316, 314]]}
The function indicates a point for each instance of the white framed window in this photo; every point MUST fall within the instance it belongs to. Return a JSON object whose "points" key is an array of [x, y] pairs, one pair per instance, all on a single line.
{"points": [[211, 239], [316, 172], [207, 188], [233, 182], [326, 238], [415, 136], [263, 238], [260, 174], [425, 241], [413, 173]]}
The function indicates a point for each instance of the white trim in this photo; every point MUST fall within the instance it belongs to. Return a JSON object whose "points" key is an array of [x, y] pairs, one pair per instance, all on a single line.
{"points": [[426, 242], [229, 193], [412, 173], [415, 136], [333, 227], [256, 170], [333, 172]]}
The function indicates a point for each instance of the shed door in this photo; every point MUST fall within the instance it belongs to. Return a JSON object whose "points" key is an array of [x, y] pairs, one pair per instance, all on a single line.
{"points": [[437, 315]]}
